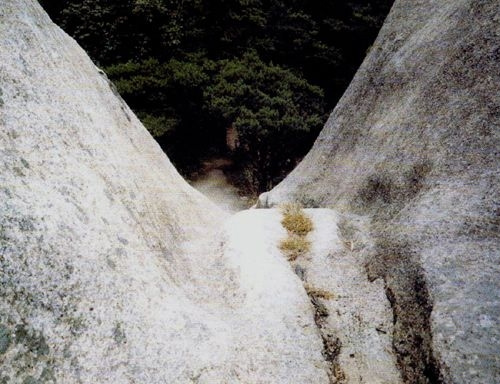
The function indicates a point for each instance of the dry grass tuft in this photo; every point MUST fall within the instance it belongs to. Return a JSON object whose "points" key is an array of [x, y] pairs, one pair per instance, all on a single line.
{"points": [[318, 293], [298, 225], [294, 246], [295, 220]]}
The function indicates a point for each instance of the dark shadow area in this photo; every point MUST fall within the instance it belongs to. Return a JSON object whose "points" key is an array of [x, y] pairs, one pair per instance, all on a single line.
{"points": [[411, 305], [384, 196], [251, 81]]}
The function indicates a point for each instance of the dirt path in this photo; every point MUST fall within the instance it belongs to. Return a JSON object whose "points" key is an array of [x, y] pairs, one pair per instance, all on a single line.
{"points": [[215, 185]]}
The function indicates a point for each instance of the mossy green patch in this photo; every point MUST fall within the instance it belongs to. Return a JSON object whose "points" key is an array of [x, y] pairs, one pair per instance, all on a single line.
{"points": [[47, 376], [25, 163], [30, 380], [34, 341], [76, 325], [119, 334], [5, 339], [18, 171]]}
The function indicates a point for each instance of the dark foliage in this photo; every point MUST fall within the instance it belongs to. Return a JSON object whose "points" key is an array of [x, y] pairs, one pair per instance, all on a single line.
{"points": [[192, 68]]}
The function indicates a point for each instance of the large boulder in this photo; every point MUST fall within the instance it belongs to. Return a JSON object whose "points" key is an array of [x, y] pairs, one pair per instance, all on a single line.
{"points": [[414, 147], [112, 268], [93, 218]]}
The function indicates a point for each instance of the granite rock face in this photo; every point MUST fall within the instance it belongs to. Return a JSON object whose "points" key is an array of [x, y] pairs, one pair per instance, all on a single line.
{"points": [[93, 218], [414, 148], [112, 268]]}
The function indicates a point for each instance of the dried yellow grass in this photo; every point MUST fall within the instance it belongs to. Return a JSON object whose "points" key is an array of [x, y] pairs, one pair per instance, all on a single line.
{"points": [[294, 246], [295, 220], [318, 292]]}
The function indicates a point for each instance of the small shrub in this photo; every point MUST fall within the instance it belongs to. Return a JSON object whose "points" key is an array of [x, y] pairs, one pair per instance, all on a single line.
{"points": [[295, 220], [294, 246]]}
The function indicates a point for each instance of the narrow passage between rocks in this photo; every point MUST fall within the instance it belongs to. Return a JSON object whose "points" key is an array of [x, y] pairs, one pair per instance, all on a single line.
{"points": [[214, 184]]}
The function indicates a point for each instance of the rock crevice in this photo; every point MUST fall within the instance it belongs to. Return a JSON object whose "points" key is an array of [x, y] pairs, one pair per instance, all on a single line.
{"points": [[413, 145], [352, 314]]}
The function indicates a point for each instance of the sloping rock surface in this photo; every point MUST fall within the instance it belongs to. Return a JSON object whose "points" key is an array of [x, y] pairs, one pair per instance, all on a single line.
{"points": [[353, 314], [414, 147], [112, 268]]}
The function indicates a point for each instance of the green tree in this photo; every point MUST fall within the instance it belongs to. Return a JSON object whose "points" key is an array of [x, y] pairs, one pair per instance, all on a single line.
{"points": [[168, 98], [191, 68], [273, 110]]}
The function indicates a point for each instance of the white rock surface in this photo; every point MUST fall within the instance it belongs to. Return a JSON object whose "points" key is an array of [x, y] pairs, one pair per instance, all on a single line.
{"points": [[272, 306], [113, 269], [359, 321], [414, 145]]}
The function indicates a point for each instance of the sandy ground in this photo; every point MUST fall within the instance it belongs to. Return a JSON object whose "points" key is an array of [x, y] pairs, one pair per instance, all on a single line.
{"points": [[215, 185]]}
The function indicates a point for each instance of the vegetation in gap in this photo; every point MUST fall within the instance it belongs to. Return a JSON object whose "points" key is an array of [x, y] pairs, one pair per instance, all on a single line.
{"points": [[294, 246], [298, 225], [192, 69], [318, 293], [295, 220]]}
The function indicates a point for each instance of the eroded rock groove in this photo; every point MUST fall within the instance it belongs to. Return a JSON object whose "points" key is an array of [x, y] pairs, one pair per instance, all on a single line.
{"points": [[411, 305]]}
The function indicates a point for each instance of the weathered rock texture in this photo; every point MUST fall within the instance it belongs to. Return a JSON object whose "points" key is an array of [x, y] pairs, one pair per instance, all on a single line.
{"points": [[353, 314], [414, 147], [114, 270], [111, 269]]}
